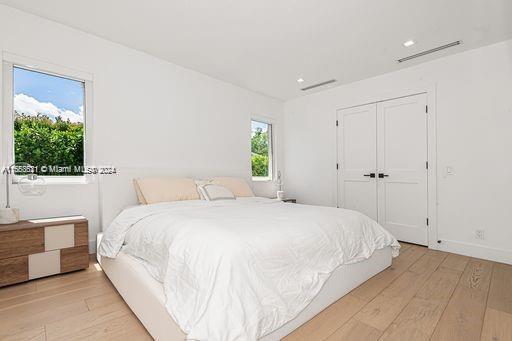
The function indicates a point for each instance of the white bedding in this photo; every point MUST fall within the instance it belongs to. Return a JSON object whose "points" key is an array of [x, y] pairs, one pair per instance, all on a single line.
{"points": [[239, 269]]}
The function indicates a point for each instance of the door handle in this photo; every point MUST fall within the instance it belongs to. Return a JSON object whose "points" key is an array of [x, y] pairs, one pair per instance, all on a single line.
{"points": [[371, 175], [382, 175]]}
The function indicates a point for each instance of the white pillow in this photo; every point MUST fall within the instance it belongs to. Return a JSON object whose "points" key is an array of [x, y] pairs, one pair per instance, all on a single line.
{"points": [[215, 192], [200, 184]]}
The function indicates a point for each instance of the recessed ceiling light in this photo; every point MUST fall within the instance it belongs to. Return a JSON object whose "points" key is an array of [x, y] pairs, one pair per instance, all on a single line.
{"points": [[409, 43], [300, 80]]}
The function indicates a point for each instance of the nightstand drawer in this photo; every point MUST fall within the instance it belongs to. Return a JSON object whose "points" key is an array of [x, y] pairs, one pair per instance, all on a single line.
{"points": [[59, 237], [81, 234], [21, 242], [13, 270], [74, 258], [43, 264]]}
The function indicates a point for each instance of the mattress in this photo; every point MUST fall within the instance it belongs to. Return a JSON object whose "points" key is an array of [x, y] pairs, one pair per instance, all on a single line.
{"points": [[145, 295]]}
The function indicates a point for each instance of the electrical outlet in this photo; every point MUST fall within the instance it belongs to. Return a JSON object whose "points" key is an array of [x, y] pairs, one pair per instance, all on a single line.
{"points": [[480, 234]]}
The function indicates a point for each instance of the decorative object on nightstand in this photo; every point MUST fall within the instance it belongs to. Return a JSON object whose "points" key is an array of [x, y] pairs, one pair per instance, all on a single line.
{"points": [[279, 181], [29, 184], [294, 201], [37, 248]]}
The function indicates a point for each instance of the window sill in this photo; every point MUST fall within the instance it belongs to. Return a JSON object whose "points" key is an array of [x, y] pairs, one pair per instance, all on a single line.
{"points": [[63, 180], [262, 179]]}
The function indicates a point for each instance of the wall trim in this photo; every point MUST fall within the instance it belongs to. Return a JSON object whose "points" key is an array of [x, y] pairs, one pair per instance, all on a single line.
{"points": [[476, 251]]}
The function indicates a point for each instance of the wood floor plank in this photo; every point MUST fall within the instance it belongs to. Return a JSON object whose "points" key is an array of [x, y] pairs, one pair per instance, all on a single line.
{"points": [[456, 262], [497, 326], [355, 330], [132, 330], [463, 317], [70, 327], [17, 322], [60, 281], [125, 327], [404, 246], [419, 318], [372, 287], [42, 295], [381, 311], [440, 286], [34, 334], [477, 275], [416, 322], [53, 303], [103, 300], [429, 262], [500, 294], [328, 321], [17, 290]]}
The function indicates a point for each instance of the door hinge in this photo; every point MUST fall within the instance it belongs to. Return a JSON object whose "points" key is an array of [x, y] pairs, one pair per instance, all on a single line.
{"points": [[337, 166], [426, 164], [336, 123], [426, 109], [427, 221]]}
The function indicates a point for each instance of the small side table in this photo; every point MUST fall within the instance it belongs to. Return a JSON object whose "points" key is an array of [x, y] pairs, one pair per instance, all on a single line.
{"points": [[37, 248]]}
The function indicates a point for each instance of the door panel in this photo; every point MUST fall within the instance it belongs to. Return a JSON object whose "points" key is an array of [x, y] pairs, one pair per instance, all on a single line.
{"points": [[357, 157], [402, 156]]}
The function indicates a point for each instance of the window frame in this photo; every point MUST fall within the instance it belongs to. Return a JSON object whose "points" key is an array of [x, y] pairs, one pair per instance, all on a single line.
{"points": [[271, 129], [9, 62]]}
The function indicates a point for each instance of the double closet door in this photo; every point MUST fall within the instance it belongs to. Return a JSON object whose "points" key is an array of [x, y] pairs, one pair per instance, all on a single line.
{"points": [[382, 164]]}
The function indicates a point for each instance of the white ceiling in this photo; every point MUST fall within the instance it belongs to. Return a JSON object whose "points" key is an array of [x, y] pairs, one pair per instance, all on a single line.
{"points": [[266, 45]]}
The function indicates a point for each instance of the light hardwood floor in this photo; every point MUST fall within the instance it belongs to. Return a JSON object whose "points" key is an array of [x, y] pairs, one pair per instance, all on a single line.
{"points": [[424, 295]]}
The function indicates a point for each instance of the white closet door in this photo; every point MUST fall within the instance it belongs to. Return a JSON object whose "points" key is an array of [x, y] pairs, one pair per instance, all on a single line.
{"points": [[357, 159], [401, 160]]}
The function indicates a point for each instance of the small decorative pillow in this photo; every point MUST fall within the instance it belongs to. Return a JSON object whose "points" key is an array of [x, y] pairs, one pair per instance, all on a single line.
{"points": [[238, 186], [200, 190], [213, 192]]}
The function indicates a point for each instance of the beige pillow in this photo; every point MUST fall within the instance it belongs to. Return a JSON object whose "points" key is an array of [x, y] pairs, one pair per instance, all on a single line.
{"points": [[166, 188], [238, 186], [141, 198]]}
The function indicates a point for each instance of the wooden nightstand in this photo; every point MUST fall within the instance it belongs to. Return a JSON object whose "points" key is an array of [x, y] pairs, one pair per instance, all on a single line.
{"points": [[289, 200], [37, 248]]}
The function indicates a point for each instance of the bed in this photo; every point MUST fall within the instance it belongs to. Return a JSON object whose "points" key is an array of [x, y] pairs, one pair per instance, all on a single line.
{"points": [[245, 269]]}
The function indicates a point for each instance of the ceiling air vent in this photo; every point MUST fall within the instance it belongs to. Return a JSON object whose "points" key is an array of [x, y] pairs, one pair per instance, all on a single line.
{"points": [[319, 84], [424, 53]]}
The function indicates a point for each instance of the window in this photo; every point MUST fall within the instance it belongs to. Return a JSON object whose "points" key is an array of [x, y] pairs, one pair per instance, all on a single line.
{"points": [[48, 121], [261, 150]]}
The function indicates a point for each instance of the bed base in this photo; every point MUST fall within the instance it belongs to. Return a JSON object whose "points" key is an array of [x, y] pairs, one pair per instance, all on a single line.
{"points": [[145, 296]]}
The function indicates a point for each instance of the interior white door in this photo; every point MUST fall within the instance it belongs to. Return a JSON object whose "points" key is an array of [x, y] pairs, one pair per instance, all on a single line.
{"points": [[402, 168], [357, 159]]}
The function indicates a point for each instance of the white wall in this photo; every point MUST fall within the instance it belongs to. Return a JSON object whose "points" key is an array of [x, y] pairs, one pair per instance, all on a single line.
{"points": [[474, 136], [146, 112]]}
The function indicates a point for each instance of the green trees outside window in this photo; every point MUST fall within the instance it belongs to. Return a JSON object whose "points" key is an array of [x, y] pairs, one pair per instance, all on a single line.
{"points": [[44, 143], [261, 149]]}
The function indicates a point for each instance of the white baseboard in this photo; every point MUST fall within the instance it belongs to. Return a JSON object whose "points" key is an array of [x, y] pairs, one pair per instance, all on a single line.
{"points": [[92, 246], [476, 251]]}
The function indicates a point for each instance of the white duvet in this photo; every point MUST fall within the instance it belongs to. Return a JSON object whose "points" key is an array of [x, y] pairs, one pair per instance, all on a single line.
{"points": [[239, 269]]}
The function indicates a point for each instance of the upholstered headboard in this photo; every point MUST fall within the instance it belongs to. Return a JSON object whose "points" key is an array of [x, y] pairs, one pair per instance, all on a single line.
{"points": [[117, 192]]}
